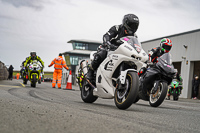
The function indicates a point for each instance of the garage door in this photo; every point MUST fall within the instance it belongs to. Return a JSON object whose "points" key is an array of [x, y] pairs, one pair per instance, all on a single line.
{"points": [[197, 72], [177, 65]]}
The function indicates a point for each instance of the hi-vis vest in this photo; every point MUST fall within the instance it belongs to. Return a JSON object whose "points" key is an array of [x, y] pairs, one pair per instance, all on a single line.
{"points": [[59, 63]]}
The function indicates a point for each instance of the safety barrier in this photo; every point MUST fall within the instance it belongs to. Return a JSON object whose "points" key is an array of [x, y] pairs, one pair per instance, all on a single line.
{"points": [[3, 71]]}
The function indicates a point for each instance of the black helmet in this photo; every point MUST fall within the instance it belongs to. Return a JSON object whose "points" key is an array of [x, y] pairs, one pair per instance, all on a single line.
{"points": [[33, 54], [131, 23]]}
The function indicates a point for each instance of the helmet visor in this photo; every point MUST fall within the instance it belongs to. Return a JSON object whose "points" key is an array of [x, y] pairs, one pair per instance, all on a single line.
{"points": [[133, 25], [167, 47], [33, 54]]}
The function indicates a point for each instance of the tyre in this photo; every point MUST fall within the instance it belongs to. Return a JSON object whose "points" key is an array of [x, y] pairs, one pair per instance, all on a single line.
{"points": [[34, 80], [136, 100], [175, 95], [25, 81], [39, 81], [125, 97], [157, 98], [87, 93]]}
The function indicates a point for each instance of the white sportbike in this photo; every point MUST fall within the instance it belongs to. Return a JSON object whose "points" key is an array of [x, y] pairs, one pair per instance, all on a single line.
{"points": [[116, 77]]}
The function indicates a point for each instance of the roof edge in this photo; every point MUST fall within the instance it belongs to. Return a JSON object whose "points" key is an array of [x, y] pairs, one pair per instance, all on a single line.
{"points": [[178, 34]]}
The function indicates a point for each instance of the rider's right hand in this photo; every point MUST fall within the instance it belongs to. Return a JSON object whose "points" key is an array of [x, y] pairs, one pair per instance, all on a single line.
{"points": [[113, 47], [106, 44]]}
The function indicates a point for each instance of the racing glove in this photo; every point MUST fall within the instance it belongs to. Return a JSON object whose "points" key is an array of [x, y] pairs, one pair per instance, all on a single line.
{"points": [[107, 43], [112, 47]]}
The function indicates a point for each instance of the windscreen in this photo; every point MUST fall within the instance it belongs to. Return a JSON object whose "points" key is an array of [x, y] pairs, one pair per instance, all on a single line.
{"points": [[166, 58], [133, 41]]}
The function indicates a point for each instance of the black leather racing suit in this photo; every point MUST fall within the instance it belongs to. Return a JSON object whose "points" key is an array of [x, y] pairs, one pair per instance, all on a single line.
{"points": [[114, 34], [154, 54]]}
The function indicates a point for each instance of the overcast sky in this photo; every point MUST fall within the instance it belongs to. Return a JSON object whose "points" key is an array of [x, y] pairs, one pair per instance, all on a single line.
{"points": [[45, 26]]}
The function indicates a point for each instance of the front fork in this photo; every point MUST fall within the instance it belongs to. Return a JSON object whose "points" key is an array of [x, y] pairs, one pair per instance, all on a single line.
{"points": [[121, 78], [121, 81], [155, 87]]}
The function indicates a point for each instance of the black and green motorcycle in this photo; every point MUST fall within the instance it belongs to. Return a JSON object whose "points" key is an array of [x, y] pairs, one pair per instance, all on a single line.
{"points": [[175, 89]]}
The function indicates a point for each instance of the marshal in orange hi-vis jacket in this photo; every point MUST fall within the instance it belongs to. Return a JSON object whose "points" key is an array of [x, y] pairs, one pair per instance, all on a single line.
{"points": [[59, 63]]}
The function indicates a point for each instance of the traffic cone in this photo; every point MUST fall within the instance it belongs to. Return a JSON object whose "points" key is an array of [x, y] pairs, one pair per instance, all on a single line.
{"points": [[69, 82]]}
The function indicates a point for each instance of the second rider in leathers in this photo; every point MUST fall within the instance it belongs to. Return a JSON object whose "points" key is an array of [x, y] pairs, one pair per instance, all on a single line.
{"points": [[128, 27], [165, 47]]}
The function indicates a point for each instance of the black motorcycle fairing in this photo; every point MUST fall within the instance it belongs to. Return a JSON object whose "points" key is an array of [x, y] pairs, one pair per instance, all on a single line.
{"points": [[149, 75], [147, 82], [162, 71], [165, 64]]}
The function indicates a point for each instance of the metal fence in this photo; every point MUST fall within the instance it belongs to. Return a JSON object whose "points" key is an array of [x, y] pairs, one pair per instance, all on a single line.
{"points": [[3, 71]]}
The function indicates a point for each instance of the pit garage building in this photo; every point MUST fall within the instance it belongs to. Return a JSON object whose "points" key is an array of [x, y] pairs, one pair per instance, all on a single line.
{"points": [[185, 56]]}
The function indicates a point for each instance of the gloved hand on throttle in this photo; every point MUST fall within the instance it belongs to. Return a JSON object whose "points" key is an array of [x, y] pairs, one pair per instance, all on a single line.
{"points": [[113, 47], [110, 46], [105, 44]]}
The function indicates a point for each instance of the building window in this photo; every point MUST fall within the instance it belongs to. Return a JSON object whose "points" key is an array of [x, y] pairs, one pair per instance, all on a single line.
{"points": [[75, 59], [82, 46]]}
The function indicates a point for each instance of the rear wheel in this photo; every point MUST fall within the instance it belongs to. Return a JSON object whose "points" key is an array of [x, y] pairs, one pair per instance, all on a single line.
{"points": [[125, 97], [87, 93], [158, 97]]}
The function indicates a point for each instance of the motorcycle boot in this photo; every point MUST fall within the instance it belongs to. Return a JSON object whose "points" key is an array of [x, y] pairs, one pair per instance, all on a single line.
{"points": [[90, 77], [90, 73], [93, 66]]}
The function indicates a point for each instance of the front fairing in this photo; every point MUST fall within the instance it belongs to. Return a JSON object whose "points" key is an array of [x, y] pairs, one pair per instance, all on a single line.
{"points": [[165, 64], [34, 66], [133, 42], [174, 83], [131, 47]]}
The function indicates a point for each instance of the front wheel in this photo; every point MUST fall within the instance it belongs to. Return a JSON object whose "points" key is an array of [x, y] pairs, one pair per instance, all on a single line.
{"points": [[158, 97], [175, 95], [33, 82], [137, 99], [126, 96], [24, 79], [87, 93]]}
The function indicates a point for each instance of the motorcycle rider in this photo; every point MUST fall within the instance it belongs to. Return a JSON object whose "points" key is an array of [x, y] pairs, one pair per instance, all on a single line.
{"points": [[32, 57], [178, 77], [128, 27], [80, 77], [22, 70], [165, 47]]}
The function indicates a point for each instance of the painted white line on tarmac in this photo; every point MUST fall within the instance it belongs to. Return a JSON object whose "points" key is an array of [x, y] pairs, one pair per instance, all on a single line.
{"points": [[10, 86], [22, 84]]}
